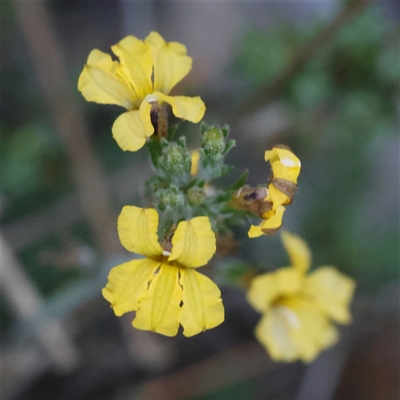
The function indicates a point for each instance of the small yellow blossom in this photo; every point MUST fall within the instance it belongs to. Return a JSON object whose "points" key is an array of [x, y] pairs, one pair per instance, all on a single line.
{"points": [[285, 171], [298, 308], [140, 82], [164, 288]]}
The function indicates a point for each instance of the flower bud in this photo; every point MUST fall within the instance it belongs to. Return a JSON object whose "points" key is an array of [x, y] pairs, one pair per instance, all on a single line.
{"points": [[170, 198], [196, 195], [213, 142], [175, 159]]}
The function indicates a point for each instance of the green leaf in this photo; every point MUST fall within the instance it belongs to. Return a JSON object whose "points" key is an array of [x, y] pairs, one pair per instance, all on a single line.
{"points": [[154, 147], [240, 182], [171, 131], [229, 145], [225, 131]]}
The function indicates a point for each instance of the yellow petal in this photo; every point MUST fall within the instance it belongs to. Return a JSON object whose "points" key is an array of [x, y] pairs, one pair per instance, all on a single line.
{"points": [[135, 58], [188, 108], [194, 168], [281, 171], [276, 197], [160, 307], [255, 231], [295, 330], [273, 332], [127, 283], [298, 251], [193, 243], [272, 220], [102, 81], [131, 130], [137, 230], [314, 332], [284, 164], [171, 64], [202, 305], [275, 221], [333, 291], [266, 288], [285, 156]]}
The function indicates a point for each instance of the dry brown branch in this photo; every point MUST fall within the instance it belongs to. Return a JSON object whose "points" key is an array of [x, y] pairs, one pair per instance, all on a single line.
{"points": [[26, 301], [52, 76]]}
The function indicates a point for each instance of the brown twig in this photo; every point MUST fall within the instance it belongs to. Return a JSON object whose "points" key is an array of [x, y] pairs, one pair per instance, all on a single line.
{"points": [[25, 302], [52, 76], [267, 93]]}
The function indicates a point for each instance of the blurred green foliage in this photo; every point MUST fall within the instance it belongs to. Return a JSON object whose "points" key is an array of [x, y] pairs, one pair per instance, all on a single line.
{"points": [[343, 105], [238, 391], [29, 158]]}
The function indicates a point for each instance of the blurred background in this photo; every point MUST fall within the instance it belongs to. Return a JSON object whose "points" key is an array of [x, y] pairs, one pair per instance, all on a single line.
{"points": [[321, 77]]}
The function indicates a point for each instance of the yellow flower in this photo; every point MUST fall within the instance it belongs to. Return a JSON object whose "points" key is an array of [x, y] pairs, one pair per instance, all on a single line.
{"points": [[285, 171], [140, 82], [164, 288], [298, 308]]}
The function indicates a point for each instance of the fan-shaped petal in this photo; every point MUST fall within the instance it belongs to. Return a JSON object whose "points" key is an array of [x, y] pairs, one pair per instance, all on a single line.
{"points": [[127, 283], [159, 308], [137, 230], [188, 108], [332, 290], [193, 243], [136, 61], [314, 332], [295, 330], [103, 81], [131, 129], [273, 332], [202, 307], [298, 251], [171, 64]]}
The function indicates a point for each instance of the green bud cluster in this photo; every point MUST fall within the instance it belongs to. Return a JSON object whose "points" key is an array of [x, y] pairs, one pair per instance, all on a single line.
{"points": [[177, 193], [214, 147], [170, 199], [196, 195], [213, 142], [175, 160]]}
